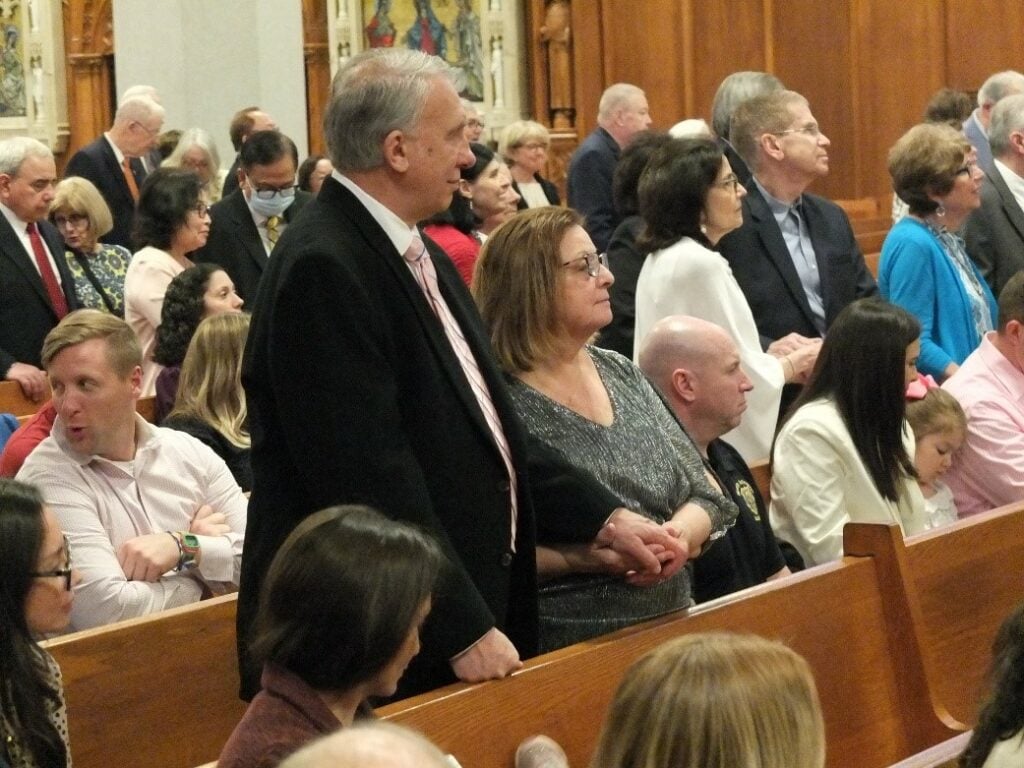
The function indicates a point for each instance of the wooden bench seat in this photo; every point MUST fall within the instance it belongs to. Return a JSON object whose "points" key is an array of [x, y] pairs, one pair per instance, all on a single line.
{"points": [[13, 400]]}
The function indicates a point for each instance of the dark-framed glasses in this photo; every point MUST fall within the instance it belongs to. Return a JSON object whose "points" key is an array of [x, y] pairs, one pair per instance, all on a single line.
{"points": [[969, 168], [270, 194], [202, 210], [64, 572], [730, 182], [593, 262]]}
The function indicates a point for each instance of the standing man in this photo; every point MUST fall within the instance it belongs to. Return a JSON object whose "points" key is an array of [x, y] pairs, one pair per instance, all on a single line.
{"points": [[622, 113], [36, 287], [370, 380], [976, 127], [245, 122], [246, 225], [113, 162]]}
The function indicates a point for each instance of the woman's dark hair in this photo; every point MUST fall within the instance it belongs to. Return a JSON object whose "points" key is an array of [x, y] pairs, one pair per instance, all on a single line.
{"points": [[26, 697], [182, 312], [306, 170], [1002, 716], [862, 368], [165, 199], [342, 594], [460, 213], [672, 191], [631, 164]]}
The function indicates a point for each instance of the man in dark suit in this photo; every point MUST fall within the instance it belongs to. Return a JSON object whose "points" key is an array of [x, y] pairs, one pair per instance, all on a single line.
{"points": [[245, 122], [994, 233], [112, 162], [36, 286], [795, 257], [246, 224], [370, 380], [621, 114]]}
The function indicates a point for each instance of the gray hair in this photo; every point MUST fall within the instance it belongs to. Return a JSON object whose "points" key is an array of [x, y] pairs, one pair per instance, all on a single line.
{"points": [[134, 91], [999, 86], [194, 137], [616, 97], [138, 108], [372, 744], [14, 150], [378, 91], [734, 90], [1007, 117]]}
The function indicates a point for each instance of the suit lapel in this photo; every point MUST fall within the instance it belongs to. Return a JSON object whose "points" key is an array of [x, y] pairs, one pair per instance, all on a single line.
{"points": [[816, 227], [246, 229], [1009, 203]]}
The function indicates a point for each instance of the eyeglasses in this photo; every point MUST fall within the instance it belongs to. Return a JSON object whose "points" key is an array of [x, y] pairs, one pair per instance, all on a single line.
{"points": [[532, 145], [812, 130], [473, 123], [270, 194], [202, 210], [969, 168], [593, 262], [149, 131], [74, 220], [64, 572], [727, 182]]}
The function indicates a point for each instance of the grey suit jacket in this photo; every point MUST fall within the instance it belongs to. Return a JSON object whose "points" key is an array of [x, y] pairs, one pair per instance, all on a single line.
{"points": [[995, 233], [976, 135]]}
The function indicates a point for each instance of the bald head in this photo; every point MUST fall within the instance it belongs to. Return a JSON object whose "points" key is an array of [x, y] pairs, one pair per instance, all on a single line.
{"points": [[680, 341], [372, 745]]}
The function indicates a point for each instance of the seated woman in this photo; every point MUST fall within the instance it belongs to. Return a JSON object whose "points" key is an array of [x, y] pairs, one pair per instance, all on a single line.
{"points": [[210, 404], [313, 171], [36, 581], [482, 193], [543, 293], [998, 738], [171, 221], [845, 453], [524, 145], [689, 199], [924, 267], [82, 217], [197, 152], [715, 701], [199, 292], [325, 652]]}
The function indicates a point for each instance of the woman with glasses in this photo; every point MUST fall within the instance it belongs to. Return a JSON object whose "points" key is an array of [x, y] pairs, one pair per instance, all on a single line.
{"points": [[924, 266], [171, 221], [36, 581], [543, 293], [524, 145], [689, 199], [82, 217]]}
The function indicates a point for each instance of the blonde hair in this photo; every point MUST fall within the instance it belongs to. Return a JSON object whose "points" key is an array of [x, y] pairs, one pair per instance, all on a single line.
{"points": [[937, 411], [80, 195], [210, 386], [518, 133], [715, 701], [123, 350]]}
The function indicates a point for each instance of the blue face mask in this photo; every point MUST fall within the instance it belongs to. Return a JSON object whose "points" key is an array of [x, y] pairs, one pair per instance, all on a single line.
{"points": [[275, 206]]}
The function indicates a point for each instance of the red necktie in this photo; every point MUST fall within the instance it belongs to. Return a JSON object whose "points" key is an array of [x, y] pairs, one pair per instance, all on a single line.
{"points": [[57, 299]]}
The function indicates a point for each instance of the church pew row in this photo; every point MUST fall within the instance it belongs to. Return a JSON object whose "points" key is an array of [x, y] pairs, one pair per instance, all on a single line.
{"points": [[944, 755], [13, 400]]}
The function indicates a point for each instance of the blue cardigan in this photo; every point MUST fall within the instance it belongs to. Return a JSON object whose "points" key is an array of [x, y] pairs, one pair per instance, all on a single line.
{"points": [[917, 274]]}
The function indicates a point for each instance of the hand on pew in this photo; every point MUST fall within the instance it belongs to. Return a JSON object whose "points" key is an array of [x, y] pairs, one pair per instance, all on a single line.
{"points": [[31, 379], [491, 657], [148, 557]]}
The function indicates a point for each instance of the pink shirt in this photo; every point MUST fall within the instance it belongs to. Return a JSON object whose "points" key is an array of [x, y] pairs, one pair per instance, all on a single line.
{"points": [[988, 471]]}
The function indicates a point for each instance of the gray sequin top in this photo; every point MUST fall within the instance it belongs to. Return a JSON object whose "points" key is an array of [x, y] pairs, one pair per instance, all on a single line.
{"points": [[645, 458]]}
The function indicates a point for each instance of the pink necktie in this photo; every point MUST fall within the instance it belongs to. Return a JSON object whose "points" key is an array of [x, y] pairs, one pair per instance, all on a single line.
{"points": [[423, 269], [57, 298]]}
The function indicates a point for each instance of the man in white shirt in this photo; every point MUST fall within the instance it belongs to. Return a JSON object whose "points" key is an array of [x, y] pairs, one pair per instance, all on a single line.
{"points": [[154, 518]]}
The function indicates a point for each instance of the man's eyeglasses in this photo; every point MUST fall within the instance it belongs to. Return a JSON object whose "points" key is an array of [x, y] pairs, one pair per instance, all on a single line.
{"points": [[593, 262], [149, 131], [811, 130], [64, 572], [728, 182], [74, 220], [270, 194]]}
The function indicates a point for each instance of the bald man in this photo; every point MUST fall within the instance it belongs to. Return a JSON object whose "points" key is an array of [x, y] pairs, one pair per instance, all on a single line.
{"points": [[696, 365], [374, 745]]}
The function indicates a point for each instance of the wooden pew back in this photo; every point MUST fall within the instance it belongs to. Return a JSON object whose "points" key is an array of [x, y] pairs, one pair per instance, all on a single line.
{"points": [[13, 400]]}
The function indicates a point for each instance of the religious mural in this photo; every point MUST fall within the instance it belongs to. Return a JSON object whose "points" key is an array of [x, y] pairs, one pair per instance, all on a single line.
{"points": [[12, 67]]}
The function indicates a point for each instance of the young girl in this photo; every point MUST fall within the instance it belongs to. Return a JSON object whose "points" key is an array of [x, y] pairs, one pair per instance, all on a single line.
{"points": [[939, 425]]}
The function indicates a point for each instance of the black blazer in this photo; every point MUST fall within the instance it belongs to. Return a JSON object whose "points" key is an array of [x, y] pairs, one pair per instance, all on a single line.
{"points": [[26, 315], [356, 396], [231, 180], [97, 163], [589, 185], [550, 192], [235, 244], [994, 234], [764, 268]]}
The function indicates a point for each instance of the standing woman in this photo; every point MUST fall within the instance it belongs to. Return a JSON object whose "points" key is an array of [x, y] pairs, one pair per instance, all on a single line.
{"points": [[82, 217], [36, 581], [845, 452], [924, 266], [524, 145], [171, 221], [197, 152]]}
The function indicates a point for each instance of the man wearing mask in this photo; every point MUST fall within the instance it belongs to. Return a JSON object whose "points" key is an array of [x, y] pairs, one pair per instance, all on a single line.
{"points": [[246, 224]]}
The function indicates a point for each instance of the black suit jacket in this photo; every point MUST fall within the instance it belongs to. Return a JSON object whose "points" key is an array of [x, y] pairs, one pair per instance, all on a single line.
{"points": [[356, 396], [231, 180], [764, 268], [26, 315], [994, 233], [591, 169], [235, 243], [97, 163]]}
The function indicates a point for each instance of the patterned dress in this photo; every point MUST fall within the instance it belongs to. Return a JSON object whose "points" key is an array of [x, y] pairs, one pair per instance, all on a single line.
{"points": [[108, 265]]}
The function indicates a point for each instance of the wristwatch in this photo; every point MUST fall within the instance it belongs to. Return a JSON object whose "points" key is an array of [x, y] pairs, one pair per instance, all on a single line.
{"points": [[188, 546]]}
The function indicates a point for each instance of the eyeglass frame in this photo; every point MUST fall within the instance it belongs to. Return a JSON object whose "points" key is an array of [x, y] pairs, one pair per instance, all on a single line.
{"points": [[76, 220], [594, 261], [812, 131], [201, 209], [65, 572], [968, 167], [731, 180]]}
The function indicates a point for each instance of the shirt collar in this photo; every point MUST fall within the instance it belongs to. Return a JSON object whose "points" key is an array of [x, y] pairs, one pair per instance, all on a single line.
{"points": [[779, 208], [17, 223], [1013, 181], [117, 152], [399, 233]]}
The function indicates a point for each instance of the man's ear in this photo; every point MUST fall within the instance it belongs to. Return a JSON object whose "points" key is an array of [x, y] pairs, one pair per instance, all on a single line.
{"points": [[771, 146], [135, 377], [396, 151], [684, 385]]}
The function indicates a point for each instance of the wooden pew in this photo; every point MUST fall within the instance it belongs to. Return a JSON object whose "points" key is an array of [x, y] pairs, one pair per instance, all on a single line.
{"points": [[160, 691], [944, 755], [959, 583], [13, 400]]}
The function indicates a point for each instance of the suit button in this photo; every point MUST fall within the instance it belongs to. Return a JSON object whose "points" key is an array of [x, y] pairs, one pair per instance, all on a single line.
{"points": [[504, 486], [506, 559]]}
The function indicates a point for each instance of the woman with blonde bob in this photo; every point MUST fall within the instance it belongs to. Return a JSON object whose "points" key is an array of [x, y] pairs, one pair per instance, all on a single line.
{"points": [[210, 404], [524, 145], [715, 701]]}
